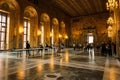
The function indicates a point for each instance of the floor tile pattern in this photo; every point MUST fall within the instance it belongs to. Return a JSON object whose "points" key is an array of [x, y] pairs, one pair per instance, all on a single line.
{"points": [[67, 65]]}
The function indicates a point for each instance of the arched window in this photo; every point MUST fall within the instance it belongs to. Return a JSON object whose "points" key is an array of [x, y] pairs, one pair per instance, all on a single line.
{"points": [[3, 30], [30, 26]]}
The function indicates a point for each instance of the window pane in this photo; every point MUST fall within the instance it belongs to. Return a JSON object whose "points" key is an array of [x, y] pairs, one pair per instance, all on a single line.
{"points": [[0, 17], [0, 26], [24, 37], [25, 24], [3, 29], [2, 45], [25, 32], [2, 36], [3, 24], [3, 18]]}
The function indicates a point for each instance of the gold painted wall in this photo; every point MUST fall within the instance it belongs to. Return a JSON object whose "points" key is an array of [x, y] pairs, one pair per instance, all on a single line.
{"points": [[16, 10], [55, 27], [99, 21]]}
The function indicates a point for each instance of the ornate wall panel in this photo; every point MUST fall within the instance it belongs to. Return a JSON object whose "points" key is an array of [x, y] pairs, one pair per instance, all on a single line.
{"points": [[89, 24]]}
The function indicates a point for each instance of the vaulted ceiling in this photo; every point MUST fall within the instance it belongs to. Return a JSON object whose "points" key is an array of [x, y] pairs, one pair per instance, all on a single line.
{"points": [[75, 8], [81, 7]]}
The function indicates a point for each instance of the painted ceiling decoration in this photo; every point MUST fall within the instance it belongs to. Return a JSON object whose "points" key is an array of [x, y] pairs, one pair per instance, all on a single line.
{"points": [[75, 8]]}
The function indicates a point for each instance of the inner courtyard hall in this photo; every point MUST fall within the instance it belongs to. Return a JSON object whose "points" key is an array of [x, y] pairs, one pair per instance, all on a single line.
{"points": [[59, 39]]}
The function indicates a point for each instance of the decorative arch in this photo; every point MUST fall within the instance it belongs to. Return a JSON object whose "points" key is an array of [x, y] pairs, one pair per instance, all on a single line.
{"points": [[30, 12], [55, 21], [10, 8], [45, 17], [45, 20], [31, 26], [9, 4], [55, 28]]}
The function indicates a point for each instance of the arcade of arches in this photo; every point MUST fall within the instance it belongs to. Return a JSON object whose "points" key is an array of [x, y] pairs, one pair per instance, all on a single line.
{"points": [[20, 23]]}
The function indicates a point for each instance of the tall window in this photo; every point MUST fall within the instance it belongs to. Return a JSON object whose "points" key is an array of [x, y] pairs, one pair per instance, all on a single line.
{"points": [[42, 34], [3, 29], [90, 39], [26, 32]]}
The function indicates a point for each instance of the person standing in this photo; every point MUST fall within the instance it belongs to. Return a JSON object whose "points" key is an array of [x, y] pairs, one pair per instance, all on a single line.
{"points": [[27, 47], [104, 49], [91, 51], [40, 49], [113, 49], [74, 46]]}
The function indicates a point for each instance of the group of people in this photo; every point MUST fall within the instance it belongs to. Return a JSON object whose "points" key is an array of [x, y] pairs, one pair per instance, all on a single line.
{"points": [[108, 49], [38, 51], [77, 46], [57, 48]]}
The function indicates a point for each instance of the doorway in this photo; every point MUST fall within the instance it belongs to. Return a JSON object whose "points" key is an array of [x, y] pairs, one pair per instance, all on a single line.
{"points": [[90, 38]]}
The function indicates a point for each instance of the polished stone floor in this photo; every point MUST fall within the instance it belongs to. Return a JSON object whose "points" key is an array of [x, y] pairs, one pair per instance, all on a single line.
{"points": [[67, 65]]}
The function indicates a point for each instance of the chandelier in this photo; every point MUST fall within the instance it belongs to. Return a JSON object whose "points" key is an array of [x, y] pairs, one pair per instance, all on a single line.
{"points": [[111, 5], [110, 21]]}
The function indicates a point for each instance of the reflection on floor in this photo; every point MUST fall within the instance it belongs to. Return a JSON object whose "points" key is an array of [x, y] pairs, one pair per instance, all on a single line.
{"points": [[68, 65]]}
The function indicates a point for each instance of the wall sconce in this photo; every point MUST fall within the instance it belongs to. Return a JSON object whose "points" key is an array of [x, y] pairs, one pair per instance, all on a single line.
{"points": [[111, 5], [60, 35], [38, 32], [51, 34], [66, 37], [20, 30]]}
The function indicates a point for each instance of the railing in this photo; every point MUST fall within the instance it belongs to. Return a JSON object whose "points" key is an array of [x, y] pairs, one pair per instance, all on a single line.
{"points": [[31, 51]]}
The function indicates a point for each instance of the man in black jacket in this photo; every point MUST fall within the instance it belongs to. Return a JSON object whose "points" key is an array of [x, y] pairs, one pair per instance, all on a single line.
{"points": [[27, 47]]}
